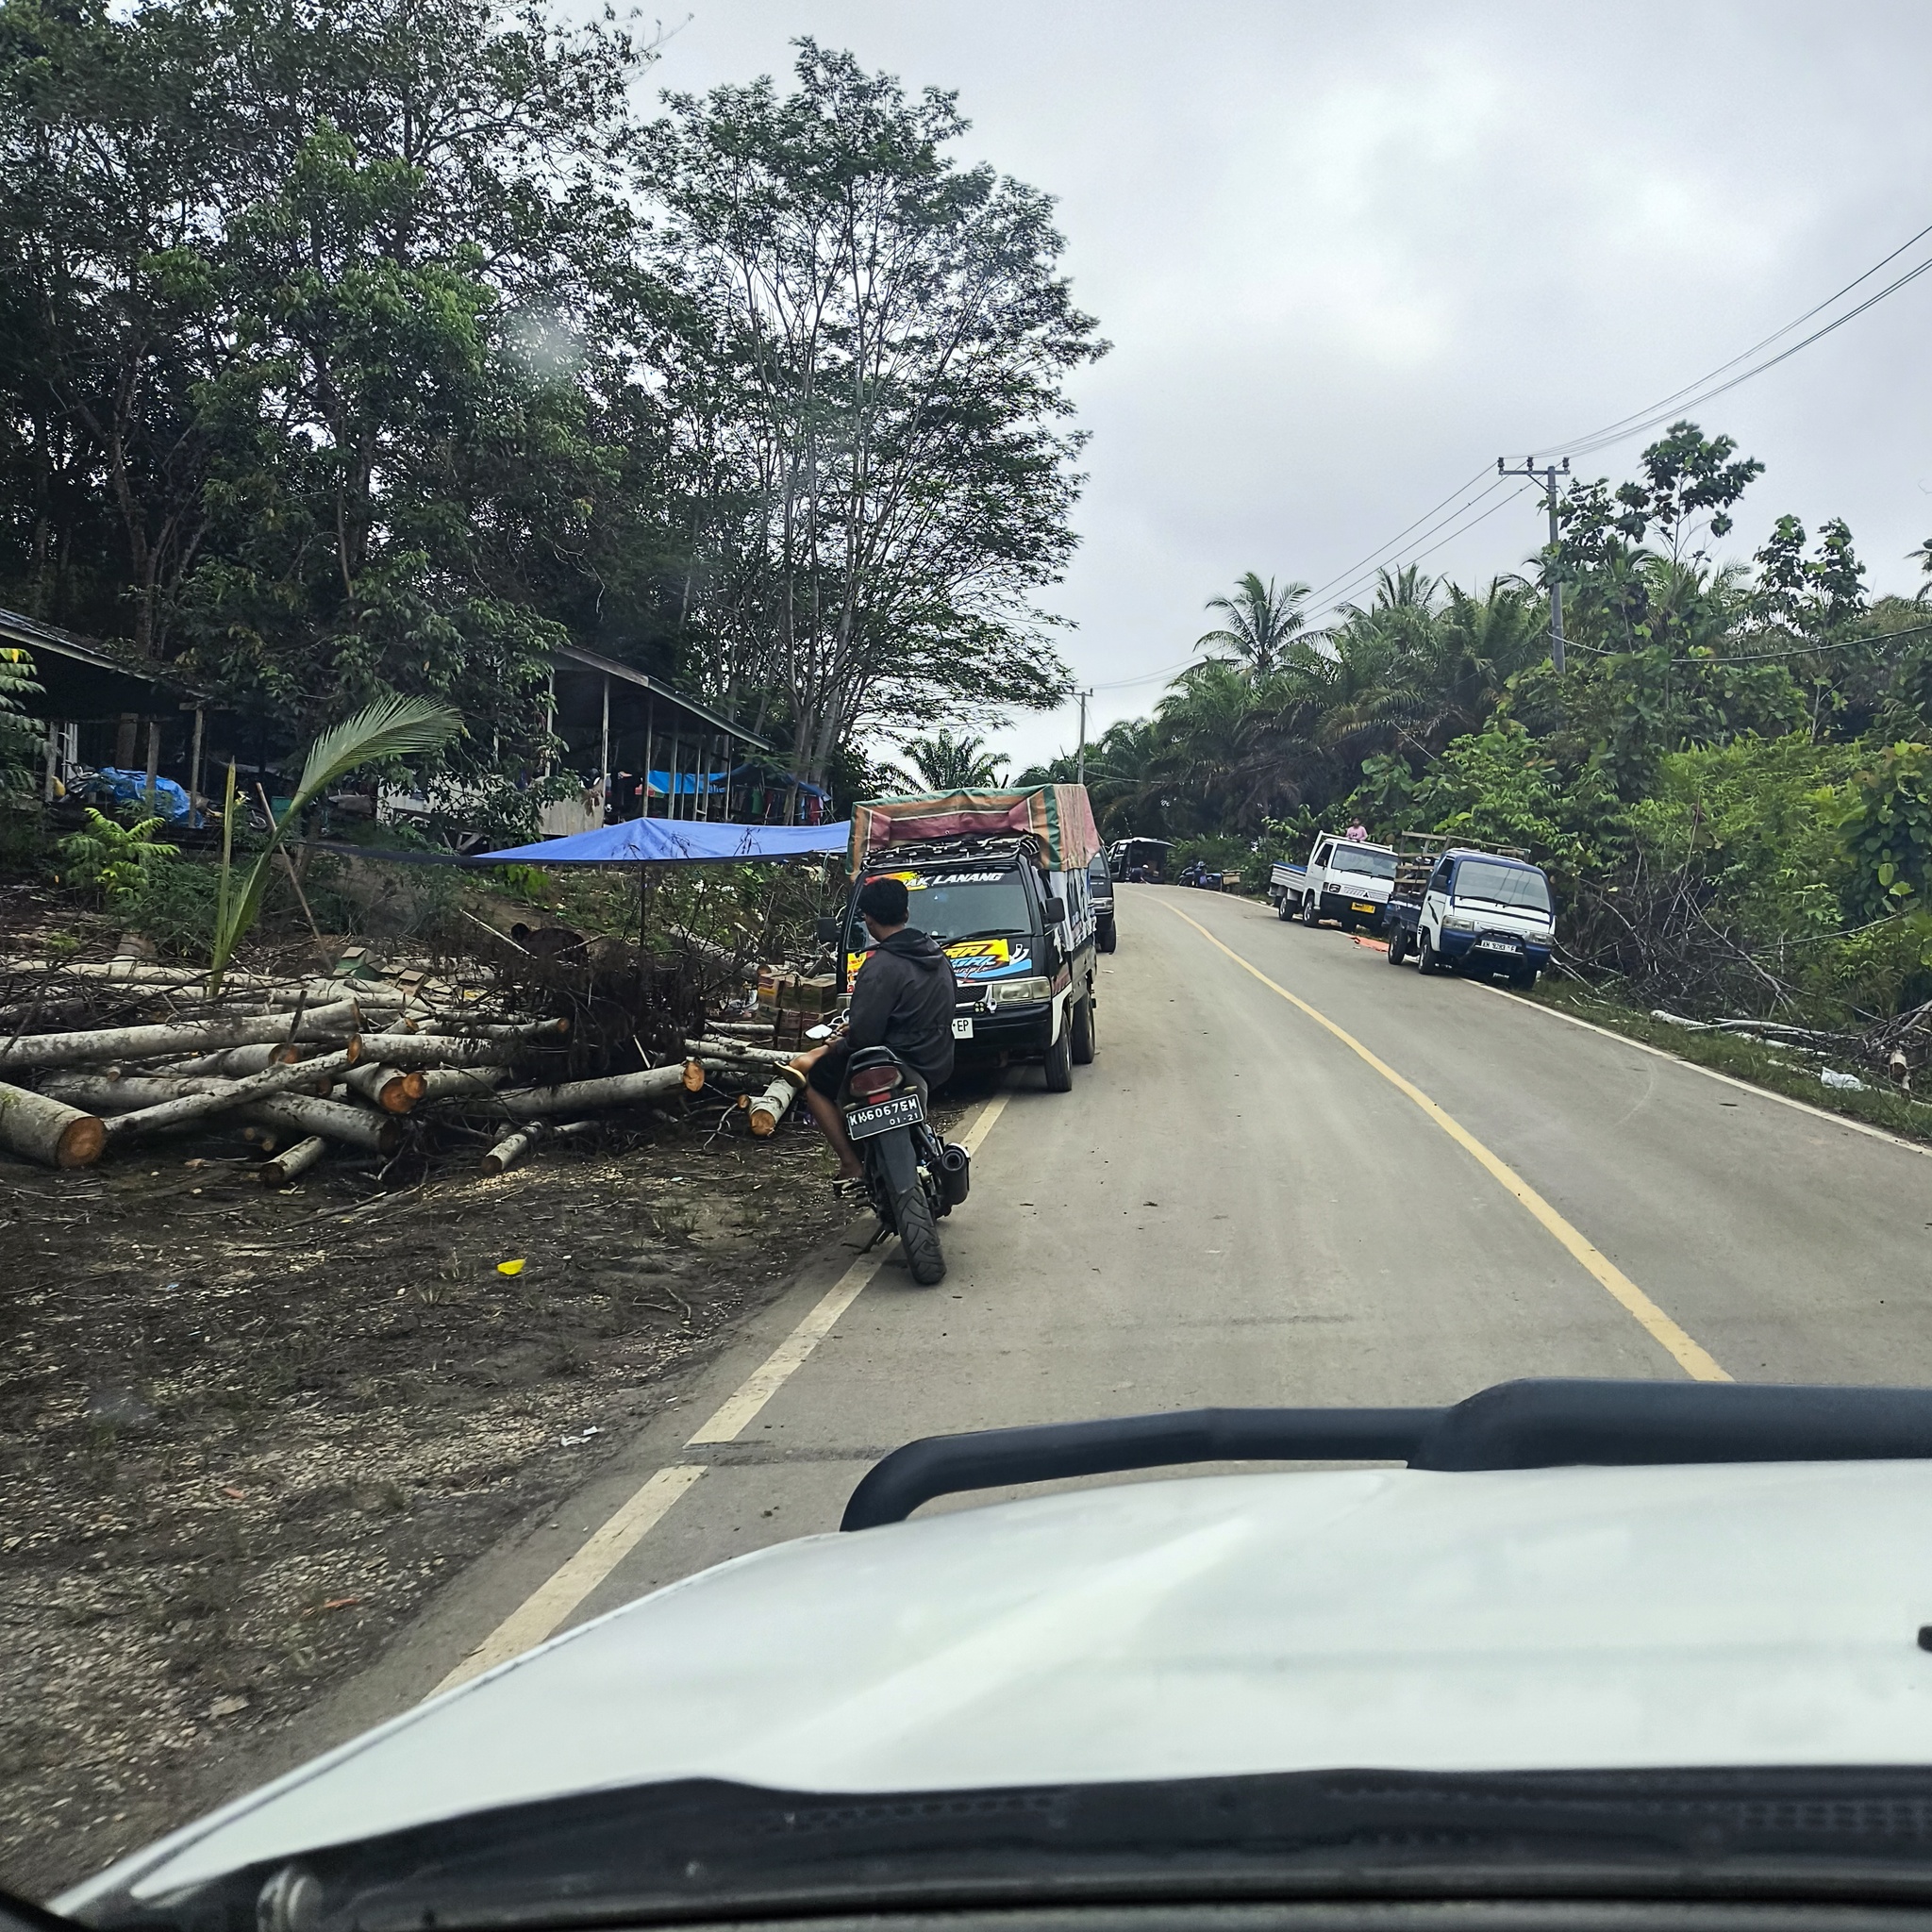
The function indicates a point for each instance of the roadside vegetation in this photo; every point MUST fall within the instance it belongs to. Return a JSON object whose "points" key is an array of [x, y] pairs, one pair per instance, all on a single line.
{"points": [[1730, 785]]}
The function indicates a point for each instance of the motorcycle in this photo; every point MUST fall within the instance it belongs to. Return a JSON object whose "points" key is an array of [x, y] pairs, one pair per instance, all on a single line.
{"points": [[913, 1178]]}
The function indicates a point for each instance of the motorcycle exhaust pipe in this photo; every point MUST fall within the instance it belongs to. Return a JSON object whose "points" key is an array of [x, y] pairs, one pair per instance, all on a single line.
{"points": [[956, 1174]]}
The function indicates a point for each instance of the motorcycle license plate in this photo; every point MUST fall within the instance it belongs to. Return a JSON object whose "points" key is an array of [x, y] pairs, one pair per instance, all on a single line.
{"points": [[1498, 947], [962, 1030], [882, 1116]]}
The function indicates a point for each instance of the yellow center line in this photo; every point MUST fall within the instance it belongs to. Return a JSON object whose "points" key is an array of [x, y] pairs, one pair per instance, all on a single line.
{"points": [[1690, 1355]]}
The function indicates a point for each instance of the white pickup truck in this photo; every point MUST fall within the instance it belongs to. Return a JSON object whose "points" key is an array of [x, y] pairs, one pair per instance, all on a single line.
{"points": [[1345, 880]]}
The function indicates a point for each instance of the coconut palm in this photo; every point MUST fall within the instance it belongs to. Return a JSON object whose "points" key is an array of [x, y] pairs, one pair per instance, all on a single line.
{"points": [[945, 763], [1260, 619]]}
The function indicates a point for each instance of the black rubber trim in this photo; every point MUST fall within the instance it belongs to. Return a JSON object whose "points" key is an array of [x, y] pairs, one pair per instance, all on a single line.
{"points": [[1526, 1424]]}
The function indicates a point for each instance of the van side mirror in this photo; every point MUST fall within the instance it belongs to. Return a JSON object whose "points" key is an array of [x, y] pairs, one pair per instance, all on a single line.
{"points": [[828, 929], [1056, 911]]}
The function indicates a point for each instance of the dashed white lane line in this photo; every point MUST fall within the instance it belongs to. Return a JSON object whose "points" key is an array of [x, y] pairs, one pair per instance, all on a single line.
{"points": [[544, 1609]]}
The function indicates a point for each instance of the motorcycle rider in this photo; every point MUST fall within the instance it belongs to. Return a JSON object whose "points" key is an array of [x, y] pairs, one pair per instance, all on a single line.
{"points": [[903, 998]]}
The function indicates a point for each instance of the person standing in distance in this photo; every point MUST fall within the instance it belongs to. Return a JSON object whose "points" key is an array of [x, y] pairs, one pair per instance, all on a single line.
{"points": [[903, 998]]}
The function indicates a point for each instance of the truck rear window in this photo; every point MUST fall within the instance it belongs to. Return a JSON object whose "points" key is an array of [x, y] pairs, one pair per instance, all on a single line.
{"points": [[1503, 885]]}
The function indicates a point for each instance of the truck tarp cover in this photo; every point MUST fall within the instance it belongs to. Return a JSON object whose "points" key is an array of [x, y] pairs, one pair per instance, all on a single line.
{"points": [[1059, 816]]}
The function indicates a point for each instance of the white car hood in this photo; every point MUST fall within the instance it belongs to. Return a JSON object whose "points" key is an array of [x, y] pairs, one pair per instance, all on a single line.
{"points": [[1574, 1617]]}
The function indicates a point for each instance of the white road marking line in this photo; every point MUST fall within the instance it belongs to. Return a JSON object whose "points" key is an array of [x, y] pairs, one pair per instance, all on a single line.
{"points": [[539, 1615], [764, 1382], [552, 1601], [1690, 1355]]}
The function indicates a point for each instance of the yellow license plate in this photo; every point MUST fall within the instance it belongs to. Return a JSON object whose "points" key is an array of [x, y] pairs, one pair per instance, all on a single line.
{"points": [[1359, 906]]}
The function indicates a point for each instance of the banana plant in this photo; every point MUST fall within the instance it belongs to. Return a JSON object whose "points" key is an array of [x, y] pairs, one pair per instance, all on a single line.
{"points": [[393, 727]]}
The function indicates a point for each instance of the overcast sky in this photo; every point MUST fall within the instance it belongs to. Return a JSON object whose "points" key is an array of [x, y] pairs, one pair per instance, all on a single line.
{"points": [[1349, 255]]}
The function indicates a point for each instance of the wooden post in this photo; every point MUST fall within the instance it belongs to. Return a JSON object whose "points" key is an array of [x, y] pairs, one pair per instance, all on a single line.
{"points": [[154, 760], [549, 718], [650, 743], [604, 743], [47, 787], [671, 779], [194, 769], [727, 780]]}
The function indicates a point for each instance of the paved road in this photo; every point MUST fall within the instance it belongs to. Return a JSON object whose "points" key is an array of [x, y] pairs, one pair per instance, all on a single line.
{"points": [[1235, 1206]]}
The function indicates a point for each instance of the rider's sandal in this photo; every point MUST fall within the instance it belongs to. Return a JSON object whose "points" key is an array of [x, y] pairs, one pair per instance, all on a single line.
{"points": [[847, 1186]]}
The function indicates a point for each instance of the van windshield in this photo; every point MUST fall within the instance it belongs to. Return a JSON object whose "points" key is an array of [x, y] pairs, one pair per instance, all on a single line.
{"points": [[958, 906], [1359, 859], [1503, 885]]}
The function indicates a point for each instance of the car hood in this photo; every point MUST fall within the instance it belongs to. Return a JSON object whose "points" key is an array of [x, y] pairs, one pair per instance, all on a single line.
{"points": [[1756, 1614]]}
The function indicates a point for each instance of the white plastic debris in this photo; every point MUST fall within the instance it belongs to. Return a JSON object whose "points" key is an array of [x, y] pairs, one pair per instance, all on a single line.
{"points": [[1844, 1083]]}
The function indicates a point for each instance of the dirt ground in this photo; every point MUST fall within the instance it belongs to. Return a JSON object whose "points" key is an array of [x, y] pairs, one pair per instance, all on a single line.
{"points": [[245, 1435]]}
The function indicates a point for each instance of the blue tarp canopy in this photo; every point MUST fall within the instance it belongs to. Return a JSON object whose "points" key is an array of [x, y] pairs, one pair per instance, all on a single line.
{"points": [[692, 841]]}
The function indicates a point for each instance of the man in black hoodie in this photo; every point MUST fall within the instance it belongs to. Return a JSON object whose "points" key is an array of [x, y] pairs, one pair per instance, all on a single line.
{"points": [[903, 998]]}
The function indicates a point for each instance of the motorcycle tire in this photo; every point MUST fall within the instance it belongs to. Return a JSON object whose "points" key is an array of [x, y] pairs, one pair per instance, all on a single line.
{"points": [[913, 1220]]}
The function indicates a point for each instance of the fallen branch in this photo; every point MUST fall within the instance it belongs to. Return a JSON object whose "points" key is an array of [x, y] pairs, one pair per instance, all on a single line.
{"points": [[333, 1024], [738, 1050], [237, 1060], [451, 1083], [616, 1090], [283, 1168], [219, 1097], [49, 1131], [355, 1126]]}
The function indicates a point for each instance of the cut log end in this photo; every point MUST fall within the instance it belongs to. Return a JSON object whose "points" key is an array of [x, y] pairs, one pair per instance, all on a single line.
{"points": [[693, 1077], [82, 1142]]}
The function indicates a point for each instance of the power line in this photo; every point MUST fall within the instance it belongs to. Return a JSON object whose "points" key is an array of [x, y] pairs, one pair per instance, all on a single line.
{"points": [[1765, 657], [1350, 575], [1417, 556], [1696, 393]]}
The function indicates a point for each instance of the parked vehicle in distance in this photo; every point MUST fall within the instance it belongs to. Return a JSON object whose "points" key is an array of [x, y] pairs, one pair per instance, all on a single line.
{"points": [[1486, 912], [1000, 879], [1344, 879], [1198, 874], [1100, 895], [1139, 862]]}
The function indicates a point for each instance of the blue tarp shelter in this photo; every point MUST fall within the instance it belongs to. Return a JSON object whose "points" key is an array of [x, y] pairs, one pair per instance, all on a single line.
{"points": [[691, 842]]}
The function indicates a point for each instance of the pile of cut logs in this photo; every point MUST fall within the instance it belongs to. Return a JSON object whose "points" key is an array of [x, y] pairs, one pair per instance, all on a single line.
{"points": [[303, 1065]]}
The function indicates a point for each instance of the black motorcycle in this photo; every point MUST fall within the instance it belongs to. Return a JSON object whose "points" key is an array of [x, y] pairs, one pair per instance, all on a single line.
{"points": [[913, 1178]]}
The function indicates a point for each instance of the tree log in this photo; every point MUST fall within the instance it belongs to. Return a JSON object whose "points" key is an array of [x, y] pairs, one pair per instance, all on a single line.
{"points": [[438, 1050], [293, 1160], [460, 1028], [738, 1049], [391, 1089], [505, 1154], [333, 1120], [213, 1097], [48, 1130], [236, 1061], [770, 1107], [174, 1037], [616, 1090], [451, 1083]]}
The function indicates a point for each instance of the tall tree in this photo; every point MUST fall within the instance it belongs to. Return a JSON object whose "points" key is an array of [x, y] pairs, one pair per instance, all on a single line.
{"points": [[881, 400], [1257, 621], [945, 763]]}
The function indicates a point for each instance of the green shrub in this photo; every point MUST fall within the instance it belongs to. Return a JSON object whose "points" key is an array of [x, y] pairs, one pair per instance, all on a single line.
{"points": [[115, 861]]}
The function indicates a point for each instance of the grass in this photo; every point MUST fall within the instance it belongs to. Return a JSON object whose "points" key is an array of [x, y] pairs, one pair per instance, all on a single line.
{"points": [[1780, 1070]]}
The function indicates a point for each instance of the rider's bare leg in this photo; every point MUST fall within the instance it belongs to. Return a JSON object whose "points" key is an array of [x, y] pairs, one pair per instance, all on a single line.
{"points": [[831, 1121]]}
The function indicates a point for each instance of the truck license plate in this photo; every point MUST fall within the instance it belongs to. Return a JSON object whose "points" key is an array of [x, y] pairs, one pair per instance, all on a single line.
{"points": [[881, 1116], [1356, 906], [962, 1030], [1499, 945]]}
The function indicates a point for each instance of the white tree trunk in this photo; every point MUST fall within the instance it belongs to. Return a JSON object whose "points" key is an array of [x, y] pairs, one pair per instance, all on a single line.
{"points": [[210, 1096], [354, 1126], [336, 1022], [48, 1130], [771, 1106], [283, 1167], [617, 1090]]}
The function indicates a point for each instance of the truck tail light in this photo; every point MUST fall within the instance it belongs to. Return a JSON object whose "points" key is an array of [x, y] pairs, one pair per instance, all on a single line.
{"points": [[868, 1083]]}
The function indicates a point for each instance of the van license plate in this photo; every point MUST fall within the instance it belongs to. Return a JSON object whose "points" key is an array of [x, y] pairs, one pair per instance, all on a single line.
{"points": [[1499, 945], [962, 1030], [882, 1116], [1356, 906]]}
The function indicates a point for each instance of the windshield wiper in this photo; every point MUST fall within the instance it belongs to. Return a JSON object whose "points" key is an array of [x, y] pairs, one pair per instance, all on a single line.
{"points": [[707, 1847], [988, 932]]}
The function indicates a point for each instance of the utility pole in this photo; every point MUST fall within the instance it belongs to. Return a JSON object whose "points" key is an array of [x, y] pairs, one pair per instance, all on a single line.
{"points": [[1080, 763], [1548, 477]]}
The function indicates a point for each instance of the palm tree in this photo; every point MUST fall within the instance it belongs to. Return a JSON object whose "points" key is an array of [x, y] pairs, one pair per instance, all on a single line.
{"points": [[945, 763], [1261, 621]]}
